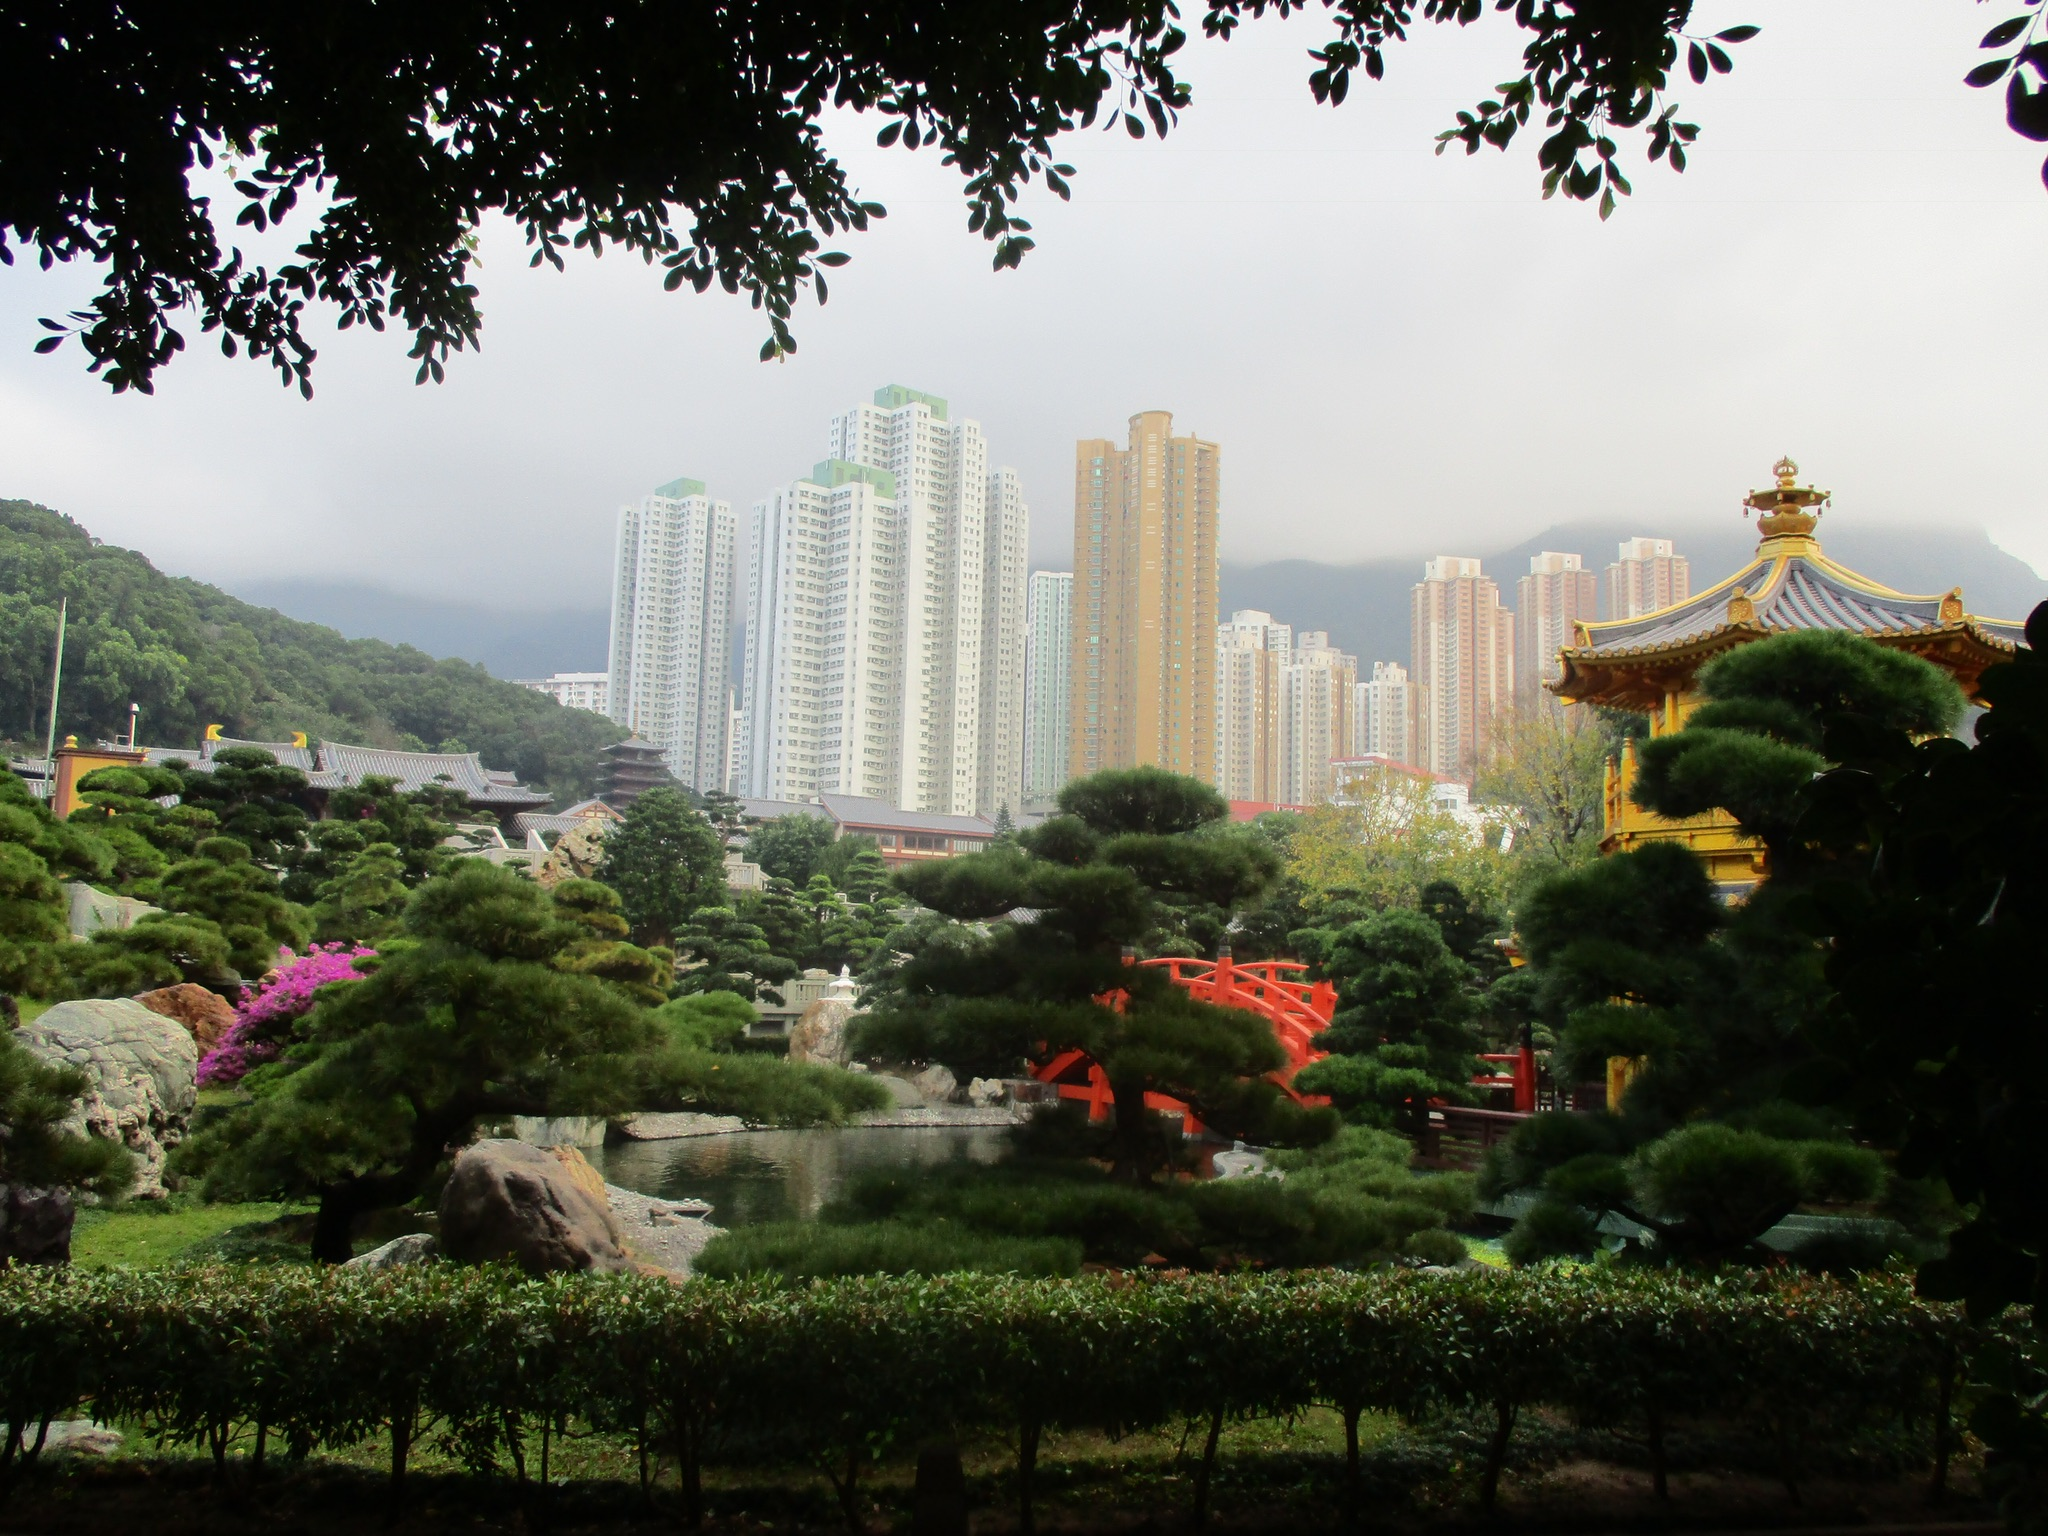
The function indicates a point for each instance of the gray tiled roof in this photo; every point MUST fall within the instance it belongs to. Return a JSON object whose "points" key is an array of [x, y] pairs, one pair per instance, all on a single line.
{"points": [[416, 770], [857, 811], [1795, 591]]}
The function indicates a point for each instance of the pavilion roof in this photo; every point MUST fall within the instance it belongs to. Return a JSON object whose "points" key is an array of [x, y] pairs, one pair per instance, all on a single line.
{"points": [[1790, 584]]}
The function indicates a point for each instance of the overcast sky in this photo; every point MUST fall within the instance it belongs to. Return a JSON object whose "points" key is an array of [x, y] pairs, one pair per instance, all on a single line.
{"points": [[1399, 353]]}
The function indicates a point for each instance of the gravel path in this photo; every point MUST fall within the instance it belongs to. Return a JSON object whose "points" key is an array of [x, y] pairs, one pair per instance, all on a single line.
{"points": [[658, 1231]]}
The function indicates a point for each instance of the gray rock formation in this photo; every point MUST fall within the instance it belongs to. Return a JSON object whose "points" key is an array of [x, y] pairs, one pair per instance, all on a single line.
{"points": [[91, 910], [820, 1034], [413, 1248], [70, 1437], [936, 1084], [672, 1127], [543, 1208], [141, 1071], [35, 1225], [560, 1130]]}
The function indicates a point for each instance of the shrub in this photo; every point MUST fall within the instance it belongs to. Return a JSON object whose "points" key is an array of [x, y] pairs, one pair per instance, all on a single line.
{"points": [[803, 1250]]}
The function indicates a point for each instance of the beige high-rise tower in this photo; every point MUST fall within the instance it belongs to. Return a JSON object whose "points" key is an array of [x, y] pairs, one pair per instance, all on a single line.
{"points": [[1557, 593], [1463, 666], [1647, 575], [1144, 659]]}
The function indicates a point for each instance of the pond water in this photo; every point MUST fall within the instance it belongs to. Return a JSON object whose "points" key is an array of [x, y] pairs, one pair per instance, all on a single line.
{"points": [[751, 1177]]}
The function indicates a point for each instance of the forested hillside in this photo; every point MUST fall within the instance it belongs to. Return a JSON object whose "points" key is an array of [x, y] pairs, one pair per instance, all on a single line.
{"points": [[192, 656]]}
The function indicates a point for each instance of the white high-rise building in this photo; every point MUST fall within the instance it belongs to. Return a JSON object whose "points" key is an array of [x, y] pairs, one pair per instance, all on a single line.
{"points": [[1383, 725], [1251, 652], [885, 589], [1005, 644], [1648, 574], [1048, 678], [672, 596], [1317, 684], [573, 690]]}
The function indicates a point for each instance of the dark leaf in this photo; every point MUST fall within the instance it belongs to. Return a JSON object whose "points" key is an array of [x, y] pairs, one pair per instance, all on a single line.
{"points": [[2005, 32], [1696, 62], [1738, 34], [1985, 74]]}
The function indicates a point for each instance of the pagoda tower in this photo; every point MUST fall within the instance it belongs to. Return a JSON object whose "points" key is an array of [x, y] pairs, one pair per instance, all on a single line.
{"points": [[628, 769], [1650, 664]]}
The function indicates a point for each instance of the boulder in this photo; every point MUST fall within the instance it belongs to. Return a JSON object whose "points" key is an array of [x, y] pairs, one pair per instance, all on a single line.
{"points": [[819, 1034], [542, 1208], [560, 1130], [413, 1248], [207, 1014], [89, 910], [987, 1092], [35, 1225], [141, 1076], [936, 1084]]}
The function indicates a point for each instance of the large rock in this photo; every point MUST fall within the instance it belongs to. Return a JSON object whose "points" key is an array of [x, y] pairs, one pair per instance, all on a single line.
{"points": [[819, 1034], [542, 1208], [141, 1073], [208, 1015], [35, 1225], [413, 1248], [89, 910], [936, 1084]]}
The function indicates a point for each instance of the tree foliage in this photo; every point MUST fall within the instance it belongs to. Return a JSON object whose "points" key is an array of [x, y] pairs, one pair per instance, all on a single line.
{"points": [[487, 1008], [1039, 967], [665, 860], [693, 139], [36, 1150], [192, 656], [1548, 761], [792, 847]]}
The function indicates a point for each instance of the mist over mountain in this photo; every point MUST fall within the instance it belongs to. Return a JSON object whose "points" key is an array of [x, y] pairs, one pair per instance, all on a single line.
{"points": [[507, 641], [1365, 607]]}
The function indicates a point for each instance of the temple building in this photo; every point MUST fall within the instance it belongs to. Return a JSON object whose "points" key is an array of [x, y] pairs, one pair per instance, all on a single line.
{"points": [[1649, 664]]}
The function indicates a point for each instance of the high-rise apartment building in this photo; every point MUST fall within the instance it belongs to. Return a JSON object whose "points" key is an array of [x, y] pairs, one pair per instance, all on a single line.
{"points": [[1557, 593], [1463, 665], [1005, 644], [1251, 650], [1383, 723], [671, 647], [1145, 526], [885, 619], [1317, 688], [1646, 576], [1048, 685], [574, 690]]}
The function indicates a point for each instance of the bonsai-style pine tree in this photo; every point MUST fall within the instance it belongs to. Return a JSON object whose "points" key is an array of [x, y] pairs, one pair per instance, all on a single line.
{"points": [[665, 861], [415, 822], [1402, 1034], [224, 885], [481, 1012], [1636, 958], [718, 950], [1044, 970], [365, 900]]}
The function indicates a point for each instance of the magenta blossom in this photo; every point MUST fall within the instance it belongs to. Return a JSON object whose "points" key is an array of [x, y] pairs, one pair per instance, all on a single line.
{"points": [[264, 1017]]}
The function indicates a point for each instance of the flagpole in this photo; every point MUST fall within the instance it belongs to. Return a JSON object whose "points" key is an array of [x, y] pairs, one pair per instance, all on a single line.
{"points": [[56, 682]]}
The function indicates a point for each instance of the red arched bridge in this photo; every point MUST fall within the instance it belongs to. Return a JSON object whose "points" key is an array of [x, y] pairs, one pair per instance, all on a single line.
{"points": [[1296, 1009]]}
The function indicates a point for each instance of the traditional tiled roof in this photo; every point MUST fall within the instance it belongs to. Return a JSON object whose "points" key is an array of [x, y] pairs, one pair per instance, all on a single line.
{"points": [[1789, 585], [566, 821], [858, 811], [1789, 590], [415, 770], [336, 765]]}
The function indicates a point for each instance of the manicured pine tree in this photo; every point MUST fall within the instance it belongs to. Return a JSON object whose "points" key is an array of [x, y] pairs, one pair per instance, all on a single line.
{"points": [[224, 885], [665, 861], [718, 950], [1042, 970], [365, 901], [482, 1013], [792, 848]]}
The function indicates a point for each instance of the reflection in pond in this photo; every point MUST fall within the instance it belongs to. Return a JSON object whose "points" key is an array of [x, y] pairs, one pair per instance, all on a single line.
{"points": [[751, 1177]]}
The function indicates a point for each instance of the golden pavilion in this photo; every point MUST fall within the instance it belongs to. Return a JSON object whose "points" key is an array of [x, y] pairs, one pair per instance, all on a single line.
{"points": [[1650, 664]]}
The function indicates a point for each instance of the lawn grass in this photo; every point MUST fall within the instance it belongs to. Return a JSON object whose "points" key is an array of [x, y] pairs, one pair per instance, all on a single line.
{"points": [[144, 1234]]}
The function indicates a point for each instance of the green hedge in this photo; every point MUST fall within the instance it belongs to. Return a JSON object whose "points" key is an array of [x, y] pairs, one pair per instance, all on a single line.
{"points": [[839, 1372]]}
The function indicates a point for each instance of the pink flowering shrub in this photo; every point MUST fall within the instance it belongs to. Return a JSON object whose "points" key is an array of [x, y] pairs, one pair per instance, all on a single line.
{"points": [[264, 1017]]}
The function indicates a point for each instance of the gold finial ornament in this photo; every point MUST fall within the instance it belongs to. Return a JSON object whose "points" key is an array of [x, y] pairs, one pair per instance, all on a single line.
{"points": [[1788, 508]]}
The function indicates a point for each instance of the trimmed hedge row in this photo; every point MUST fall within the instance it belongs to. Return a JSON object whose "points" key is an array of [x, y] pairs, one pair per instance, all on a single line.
{"points": [[839, 1372]]}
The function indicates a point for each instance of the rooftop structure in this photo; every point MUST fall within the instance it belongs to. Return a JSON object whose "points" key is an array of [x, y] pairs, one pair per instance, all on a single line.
{"points": [[1650, 664], [907, 837], [336, 765], [631, 768]]}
